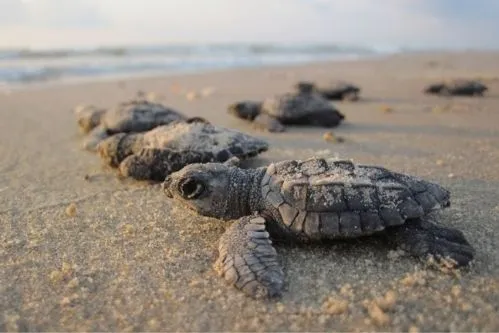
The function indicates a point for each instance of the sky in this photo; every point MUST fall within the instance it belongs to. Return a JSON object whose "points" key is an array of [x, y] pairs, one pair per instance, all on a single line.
{"points": [[379, 23]]}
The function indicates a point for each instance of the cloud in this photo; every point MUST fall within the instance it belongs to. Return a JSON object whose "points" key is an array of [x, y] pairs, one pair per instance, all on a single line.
{"points": [[64, 14], [418, 23], [12, 11]]}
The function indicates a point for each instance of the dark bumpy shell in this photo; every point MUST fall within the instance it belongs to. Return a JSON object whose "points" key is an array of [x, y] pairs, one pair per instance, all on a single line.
{"points": [[334, 91], [203, 137], [155, 154], [294, 107], [457, 87], [327, 198], [138, 116]]}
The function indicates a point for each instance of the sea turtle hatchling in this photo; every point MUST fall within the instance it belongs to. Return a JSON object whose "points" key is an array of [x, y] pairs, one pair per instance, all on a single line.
{"points": [[154, 154], [137, 115], [300, 108], [312, 200], [334, 91], [458, 87]]}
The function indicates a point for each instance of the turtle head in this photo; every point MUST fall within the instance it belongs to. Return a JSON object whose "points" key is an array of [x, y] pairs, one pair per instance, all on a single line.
{"points": [[204, 188], [245, 110], [434, 88], [88, 117], [305, 87]]}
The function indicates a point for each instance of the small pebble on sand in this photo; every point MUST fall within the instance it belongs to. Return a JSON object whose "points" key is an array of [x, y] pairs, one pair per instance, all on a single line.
{"points": [[71, 210], [330, 137], [386, 109], [192, 95]]}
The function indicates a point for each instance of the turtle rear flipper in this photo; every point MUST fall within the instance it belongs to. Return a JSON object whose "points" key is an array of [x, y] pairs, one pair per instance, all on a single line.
{"points": [[248, 260], [422, 239], [266, 122], [247, 110], [350, 96]]}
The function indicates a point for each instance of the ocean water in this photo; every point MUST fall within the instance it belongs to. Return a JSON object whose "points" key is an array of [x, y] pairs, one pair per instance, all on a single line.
{"points": [[21, 67]]}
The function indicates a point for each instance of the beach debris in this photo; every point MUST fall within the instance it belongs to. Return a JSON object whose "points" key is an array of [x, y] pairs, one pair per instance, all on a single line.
{"points": [[442, 108], [330, 137], [194, 95], [333, 91], [313, 200], [136, 115], [440, 162], [128, 230], [71, 210], [207, 91], [300, 108], [450, 175], [191, 95], [154, 154], [386, 108], [63, 274], [458, 87]]}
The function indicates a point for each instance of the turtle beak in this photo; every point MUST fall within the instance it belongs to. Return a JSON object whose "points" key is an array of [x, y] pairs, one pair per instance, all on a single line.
{"points": [[166, 187]]}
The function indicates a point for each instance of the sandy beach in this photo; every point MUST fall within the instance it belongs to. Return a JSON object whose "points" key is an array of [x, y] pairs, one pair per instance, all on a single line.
{"points": [[123, 258]]}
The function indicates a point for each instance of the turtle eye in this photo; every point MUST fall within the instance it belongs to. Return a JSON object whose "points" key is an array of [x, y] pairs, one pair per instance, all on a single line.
{"points": [[191, 188]]}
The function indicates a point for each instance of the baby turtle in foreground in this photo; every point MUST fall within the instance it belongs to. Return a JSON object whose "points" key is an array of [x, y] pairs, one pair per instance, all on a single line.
{"points": [[155, 154], [311, 200], [334, 91], [137, 115], [301, 108], [457, 88]]}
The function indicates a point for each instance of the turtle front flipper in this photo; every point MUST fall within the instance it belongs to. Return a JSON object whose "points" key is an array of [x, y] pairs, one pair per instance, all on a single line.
{"points": [[325, 118], [248, 260], [89, 117], [423, 239], [266, 122], [156, 164], [94, 138], [114, 149]]}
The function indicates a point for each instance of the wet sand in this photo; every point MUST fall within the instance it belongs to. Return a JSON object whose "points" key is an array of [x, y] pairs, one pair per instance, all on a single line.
{"points": [[81, 249]]}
